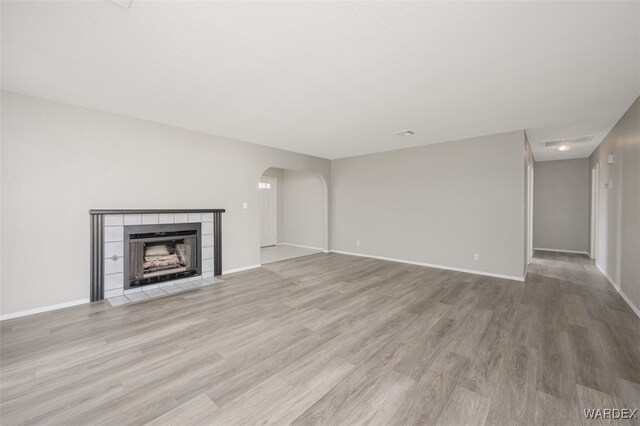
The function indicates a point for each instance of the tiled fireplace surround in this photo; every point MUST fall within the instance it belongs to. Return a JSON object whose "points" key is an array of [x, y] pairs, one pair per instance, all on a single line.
{"points": [[113, 255]]}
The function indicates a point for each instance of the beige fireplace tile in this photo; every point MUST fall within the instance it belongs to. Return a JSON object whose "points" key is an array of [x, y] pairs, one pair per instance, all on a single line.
{"points": [[207, 228], [115, 248], [113, 220], [133, 219], [185, 285], [207, 241], [207, 253], [172, 289], [154, 292], [149, 219], [113, 281], [118, 300], [113, 293], [165, 218], [113, 233], [134, 297], [113, 267], [181, 217], [207, 217], [207, 265], [195, 217]]}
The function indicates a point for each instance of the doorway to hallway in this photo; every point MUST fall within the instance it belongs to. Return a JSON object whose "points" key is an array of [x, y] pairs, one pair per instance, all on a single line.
{"points": [[268, 211]]}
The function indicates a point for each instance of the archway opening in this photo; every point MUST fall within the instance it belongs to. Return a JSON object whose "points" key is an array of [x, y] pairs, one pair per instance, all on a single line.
{"points": [[293, 214]]}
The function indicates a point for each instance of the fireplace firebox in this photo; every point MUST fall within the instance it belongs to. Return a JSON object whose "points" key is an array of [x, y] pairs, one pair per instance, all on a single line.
{"points": [[158, 253]]}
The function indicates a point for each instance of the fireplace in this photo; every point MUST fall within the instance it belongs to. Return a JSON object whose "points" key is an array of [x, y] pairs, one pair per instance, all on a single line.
{"points": [[142, 250], [158, 253]]}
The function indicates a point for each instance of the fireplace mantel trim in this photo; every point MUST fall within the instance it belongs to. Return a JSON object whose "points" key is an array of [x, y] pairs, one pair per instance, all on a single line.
{"points": [[153, 211]]}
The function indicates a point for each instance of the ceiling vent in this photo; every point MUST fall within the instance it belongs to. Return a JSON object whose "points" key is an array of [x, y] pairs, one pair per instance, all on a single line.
{"points": [[407, 132], [569, 141]]}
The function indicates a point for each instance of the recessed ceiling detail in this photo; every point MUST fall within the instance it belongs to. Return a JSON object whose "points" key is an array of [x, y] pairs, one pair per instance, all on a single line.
{"points": [[567, 141], [123, 3], [331, 79]]}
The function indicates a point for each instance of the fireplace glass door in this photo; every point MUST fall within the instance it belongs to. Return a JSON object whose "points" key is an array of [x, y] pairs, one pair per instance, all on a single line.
{"points": [[161, 254]]}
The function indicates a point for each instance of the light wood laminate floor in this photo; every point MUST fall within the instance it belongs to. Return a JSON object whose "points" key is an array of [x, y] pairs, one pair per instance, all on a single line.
{"points": [[334, 339], [278, 253]]}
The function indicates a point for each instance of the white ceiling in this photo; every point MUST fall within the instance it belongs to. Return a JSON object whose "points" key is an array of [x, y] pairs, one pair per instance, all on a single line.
{"points": [[335, 79]]}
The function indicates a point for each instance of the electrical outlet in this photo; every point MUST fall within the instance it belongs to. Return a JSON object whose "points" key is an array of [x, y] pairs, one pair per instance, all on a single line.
{"points": [[358, 243], [476, 256]]}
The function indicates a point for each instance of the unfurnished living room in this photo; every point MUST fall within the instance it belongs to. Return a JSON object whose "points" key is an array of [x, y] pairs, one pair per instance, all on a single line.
{"points": [[320, 212]]}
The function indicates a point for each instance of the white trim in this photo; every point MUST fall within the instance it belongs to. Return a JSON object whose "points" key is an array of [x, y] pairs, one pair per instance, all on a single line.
{"points": [[430, 265], [633, 307], [595, 208], [561, 251], [275, 191], [43, 309], [244, 268], [301, 246], [530, 209]]}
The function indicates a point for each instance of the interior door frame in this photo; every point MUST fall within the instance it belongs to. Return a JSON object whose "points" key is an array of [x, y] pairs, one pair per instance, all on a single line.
{"points": [[274, 182], [595, 194], [530, 213]]}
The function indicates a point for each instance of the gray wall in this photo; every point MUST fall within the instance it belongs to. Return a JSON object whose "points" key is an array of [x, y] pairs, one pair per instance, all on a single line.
{"points": [[561, 205], [435, 204], [302, 208], [618, 252], [528, 163], [59, 161]]}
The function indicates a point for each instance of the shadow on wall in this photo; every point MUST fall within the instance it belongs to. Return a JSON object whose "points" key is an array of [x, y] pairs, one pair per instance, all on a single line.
{"points": [[294, 208]]}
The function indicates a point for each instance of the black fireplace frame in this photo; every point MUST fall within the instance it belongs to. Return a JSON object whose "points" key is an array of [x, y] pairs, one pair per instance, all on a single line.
{"points": [[170, 228], [97, 242]]}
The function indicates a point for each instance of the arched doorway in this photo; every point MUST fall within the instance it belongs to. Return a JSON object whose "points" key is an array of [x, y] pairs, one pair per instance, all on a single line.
{"points": [[293, 214]]}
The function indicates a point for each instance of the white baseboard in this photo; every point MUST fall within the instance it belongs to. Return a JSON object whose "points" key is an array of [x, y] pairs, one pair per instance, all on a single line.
{"points": [[244, 268], [43, 309], [560, 251], [430, 265], [301, 246], [633, 307]]}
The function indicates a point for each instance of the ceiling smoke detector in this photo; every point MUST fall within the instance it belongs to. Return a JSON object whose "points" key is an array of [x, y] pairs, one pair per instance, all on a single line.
{"points": [[407, 132]]}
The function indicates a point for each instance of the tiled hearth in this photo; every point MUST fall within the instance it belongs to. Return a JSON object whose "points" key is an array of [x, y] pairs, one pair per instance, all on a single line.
{"points": [[160, 290], [113, 252]]}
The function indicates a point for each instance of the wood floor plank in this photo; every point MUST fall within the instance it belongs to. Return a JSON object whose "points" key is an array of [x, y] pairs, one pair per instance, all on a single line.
{"points": [[333, 339], [426, 400], [198, 410], [593, 399], [553, 411], [629, 394], [465, 408], [514, 400]]}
